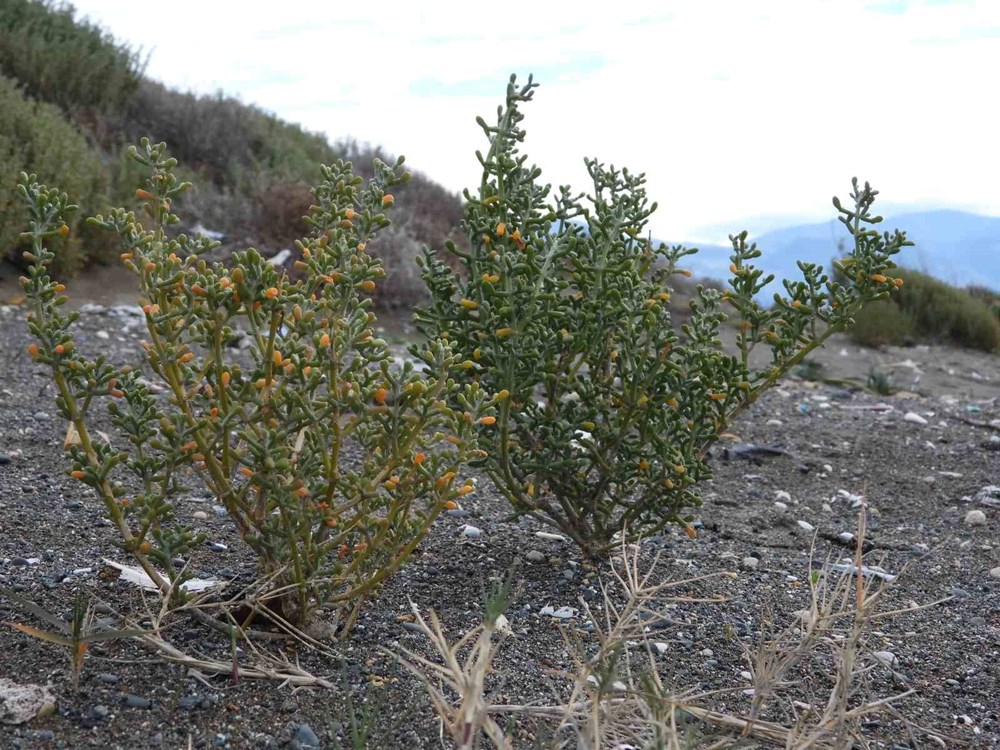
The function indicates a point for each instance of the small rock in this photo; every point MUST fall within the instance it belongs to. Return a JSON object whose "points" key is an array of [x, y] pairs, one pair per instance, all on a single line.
{"points": [[21, 703], [846, 537], [305, 739], [780, 506], [912, 416], [550, 536], [535, 556], [217, 547], [782, 496], [136, 701], [805, 526], [102, 335], [219, 510], [975, 518], [959, 593], [886, 657], [774, 423], [563, 613], [155, 740], [470, 531], [200, 515], [750, 563], [978, 622], [995, 573], [99, 713]]}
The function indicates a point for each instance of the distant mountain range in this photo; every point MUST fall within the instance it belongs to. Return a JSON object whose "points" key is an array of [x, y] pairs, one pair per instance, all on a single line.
{"points": [[957, 247]]}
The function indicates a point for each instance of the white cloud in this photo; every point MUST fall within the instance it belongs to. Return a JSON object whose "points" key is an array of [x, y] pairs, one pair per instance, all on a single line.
{"points": [[733, 109]]}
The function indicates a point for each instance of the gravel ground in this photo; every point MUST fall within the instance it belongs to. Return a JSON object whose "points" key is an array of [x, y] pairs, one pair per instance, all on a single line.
{"points": [[920, 463]]}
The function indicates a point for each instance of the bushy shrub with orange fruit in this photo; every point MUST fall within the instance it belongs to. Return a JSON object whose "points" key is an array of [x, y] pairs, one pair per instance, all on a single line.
{"points": [[272, 439], [562, 309]]}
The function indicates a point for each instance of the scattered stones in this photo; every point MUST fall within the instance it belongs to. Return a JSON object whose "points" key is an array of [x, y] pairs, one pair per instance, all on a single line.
{"points": [[975, 518], [912, 416], [21, 703], [989, 496]]}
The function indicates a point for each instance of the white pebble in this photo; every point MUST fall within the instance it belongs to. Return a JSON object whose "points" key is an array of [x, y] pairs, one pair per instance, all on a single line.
{"points": [[102, 335], [783, 496], [661, 647], [706, 652], [912, 416], [470, 531], [774, 423], [750, 563], [806, 526], [551, 536], [200, 515], [828, 468], [781, 506], [975, 518], [746, 675], [995, 573], [846, 537]]}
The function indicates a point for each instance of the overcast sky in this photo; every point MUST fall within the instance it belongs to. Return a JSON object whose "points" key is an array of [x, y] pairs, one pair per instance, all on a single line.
{"points": [[742, 114]]}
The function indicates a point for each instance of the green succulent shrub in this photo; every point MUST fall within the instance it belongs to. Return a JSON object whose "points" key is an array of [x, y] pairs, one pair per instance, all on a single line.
{"points": [[561, 308], [331, 463], [36, 137]]}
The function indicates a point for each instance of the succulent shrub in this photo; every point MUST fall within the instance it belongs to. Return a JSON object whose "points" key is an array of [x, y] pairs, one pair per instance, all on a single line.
{"points": [[331, 462], [561, 307]]}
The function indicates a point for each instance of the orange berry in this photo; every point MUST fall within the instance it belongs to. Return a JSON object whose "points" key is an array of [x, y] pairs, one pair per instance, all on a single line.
{"points": [[126, 256], [465, 490], [246, 471], [469, 304], [348, 213], [380, 395], [451, 505], [276, 357], [387, 200], [331, 522], [690, 531], [503, 332], [325, 340], [302, 492], [878, 278], [144, 195], [501, 229], [361, 247], [488, 420], [145, 548], [186, 357], [225, 377], [418, 459], [64, 231], [898, 283], [77, 474], [271, 293], [368, 285], [33, 350]]}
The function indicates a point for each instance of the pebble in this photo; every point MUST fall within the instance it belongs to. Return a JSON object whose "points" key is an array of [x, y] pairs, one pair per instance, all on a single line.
{"points": [[750, 563], [781, 506], [187, 702], [99, 712], [217, 547], [806, 526], [912, 416], [846, 537], [782, 496], [305, 739], [886, 657], [563, 613], [4, 459], [978, 622], [136, 701], [975, 518], [219, 510], [774, 423], [470, 531], [995, 573], [550, 536], [960, 593], [535, 556], [200, 515], [102, 335]]}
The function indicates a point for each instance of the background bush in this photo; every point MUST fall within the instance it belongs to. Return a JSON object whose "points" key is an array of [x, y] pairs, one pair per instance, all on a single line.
{"points": [[927, 309], [36, 137], [67, 62]]}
